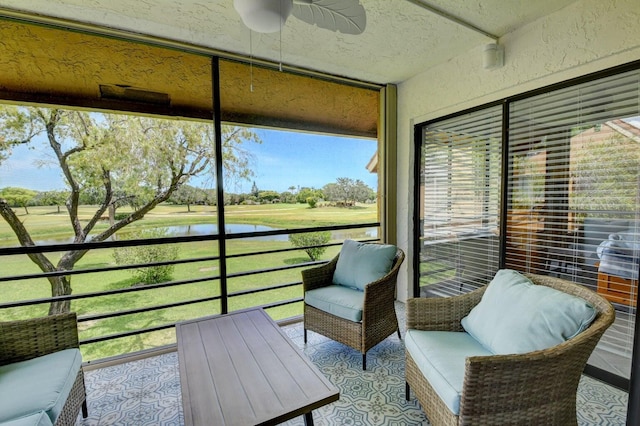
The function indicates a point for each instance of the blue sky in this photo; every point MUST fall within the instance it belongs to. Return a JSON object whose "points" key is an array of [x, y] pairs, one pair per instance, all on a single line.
{"points": [[283, 159]]}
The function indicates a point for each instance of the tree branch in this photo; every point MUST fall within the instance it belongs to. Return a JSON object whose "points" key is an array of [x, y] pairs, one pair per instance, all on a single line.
{"points": [[23, 237]]}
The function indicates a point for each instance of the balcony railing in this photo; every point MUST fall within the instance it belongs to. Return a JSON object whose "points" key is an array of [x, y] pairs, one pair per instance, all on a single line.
{"points": [[122, 318]]}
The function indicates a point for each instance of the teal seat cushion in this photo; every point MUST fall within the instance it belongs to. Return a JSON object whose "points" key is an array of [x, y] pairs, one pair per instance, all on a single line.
{"points": [[516, 316], [441, 357], [37, 419], [47, 380], [338, 300], [360, 263]]}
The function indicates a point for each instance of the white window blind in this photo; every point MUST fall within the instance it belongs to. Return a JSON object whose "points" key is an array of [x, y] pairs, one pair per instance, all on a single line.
{"points": [[573, 196], [460, 196]]}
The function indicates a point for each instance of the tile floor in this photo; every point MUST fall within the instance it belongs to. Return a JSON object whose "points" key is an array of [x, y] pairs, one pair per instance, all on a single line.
{"points": [[146, 392]]}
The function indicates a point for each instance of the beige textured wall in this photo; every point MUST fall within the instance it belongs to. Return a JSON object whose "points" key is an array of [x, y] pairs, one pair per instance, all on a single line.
{"points": [[586, 36]]}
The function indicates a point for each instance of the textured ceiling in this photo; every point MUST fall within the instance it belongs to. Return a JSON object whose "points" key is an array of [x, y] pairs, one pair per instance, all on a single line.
{"points": [[401, 39]]}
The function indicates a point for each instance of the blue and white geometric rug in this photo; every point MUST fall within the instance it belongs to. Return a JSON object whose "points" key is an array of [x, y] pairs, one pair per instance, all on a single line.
{"points": [[147, 392]]}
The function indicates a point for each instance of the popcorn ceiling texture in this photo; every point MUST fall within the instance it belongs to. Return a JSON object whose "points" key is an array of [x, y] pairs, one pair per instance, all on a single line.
{"points": [[401, 39]]}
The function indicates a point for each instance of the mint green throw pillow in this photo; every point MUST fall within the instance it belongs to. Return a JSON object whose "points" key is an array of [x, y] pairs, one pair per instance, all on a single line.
{"points": [[516, 316], [360, 263]]}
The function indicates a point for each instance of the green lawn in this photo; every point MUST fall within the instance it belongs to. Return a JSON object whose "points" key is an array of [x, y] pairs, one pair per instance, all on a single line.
{"points": [[45, 223]]}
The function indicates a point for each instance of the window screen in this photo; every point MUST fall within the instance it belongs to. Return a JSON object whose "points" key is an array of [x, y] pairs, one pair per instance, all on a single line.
{"points": [[460, 197]]}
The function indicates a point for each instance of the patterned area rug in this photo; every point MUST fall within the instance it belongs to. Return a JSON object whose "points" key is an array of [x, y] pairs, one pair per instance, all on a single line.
{"points": [[147, 391]]}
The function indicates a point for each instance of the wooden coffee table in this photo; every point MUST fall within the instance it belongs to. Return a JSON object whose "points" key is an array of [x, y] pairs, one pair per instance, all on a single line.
{"points": [[242, 369]]}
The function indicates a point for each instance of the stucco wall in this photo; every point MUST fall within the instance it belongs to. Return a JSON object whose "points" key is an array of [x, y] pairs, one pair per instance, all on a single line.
{"points": [[586, 36]]}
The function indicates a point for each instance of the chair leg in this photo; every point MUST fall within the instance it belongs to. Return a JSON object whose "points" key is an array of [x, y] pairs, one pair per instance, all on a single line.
{"points": [[407, 391], [305, 336], [399, 336], [364, 362], [85, 411]]}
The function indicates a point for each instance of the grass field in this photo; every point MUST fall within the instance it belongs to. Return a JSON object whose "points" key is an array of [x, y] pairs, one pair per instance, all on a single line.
{"points": [[45, 223]]}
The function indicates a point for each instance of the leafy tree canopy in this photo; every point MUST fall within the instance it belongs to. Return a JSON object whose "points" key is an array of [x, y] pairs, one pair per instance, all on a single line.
{"points": [[113, 159], [348, 191], [18, 197]]}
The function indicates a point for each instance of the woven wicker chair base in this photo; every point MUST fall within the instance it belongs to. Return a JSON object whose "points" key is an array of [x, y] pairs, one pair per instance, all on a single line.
{"points": [[75, 401], [436, 410], [335, 328]]}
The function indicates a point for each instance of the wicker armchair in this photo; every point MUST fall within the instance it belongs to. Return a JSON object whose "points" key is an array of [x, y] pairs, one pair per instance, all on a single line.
{"points": [[533, 388], [27, 339], [379, 318]]}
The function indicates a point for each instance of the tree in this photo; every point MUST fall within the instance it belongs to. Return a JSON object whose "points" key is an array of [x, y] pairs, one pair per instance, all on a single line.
{"points": [[597, 173], [304, 193], [311, 239], [287, 197], [188, 195], [18, 197], [51, 198], [268, 196], [115, 158], [348, 191]]}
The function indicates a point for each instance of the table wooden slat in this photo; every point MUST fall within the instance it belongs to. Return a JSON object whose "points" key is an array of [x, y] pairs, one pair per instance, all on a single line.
{"points": [[241, 369]]}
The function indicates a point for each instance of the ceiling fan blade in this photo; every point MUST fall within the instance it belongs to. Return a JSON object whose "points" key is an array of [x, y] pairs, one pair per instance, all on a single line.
{"points": [[345, 16]]}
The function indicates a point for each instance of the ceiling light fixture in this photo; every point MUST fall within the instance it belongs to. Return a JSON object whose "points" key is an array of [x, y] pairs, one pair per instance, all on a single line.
{"points": [[264, 16], [493, 56]]}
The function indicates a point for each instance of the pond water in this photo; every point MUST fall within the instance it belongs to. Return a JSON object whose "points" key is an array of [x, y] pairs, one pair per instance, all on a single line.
{"points": [[236, 228]]}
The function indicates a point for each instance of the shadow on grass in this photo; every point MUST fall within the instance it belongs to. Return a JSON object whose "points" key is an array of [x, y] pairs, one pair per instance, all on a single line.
{"points": [[92, 265], [129, 282], [295, 260]]}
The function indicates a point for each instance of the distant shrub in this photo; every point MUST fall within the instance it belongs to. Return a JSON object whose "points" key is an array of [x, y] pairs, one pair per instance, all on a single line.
{"points": [[311, 239], [312, 201], [148, 254]]}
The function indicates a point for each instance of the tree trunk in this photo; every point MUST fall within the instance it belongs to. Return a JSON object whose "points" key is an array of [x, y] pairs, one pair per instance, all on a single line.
{"points": [[60, 286], [112, 214]]}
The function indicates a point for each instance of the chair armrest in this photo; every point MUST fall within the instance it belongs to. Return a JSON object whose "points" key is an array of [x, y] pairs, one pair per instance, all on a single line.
{"points": [[320, 276], [26, 339], [441, 313]]}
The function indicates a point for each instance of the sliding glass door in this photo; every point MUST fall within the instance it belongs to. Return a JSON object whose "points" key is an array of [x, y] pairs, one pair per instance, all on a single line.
{"points": [[546, 183]]}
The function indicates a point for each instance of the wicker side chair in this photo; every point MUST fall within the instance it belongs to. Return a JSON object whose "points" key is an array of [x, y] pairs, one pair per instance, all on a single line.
{"points": [[379, 318], [27, 339], [536, 388]]}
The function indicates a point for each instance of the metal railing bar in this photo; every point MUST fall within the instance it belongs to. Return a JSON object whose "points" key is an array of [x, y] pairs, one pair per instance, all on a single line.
{"points": [[48, 248], [281, 303], [183, 303], [153, 286], [126, 334], [116, 314], [162, 263], [276, 269], [256, 253], [239, 235], [108, 268], [106, 293], [262, 289], [171, 283], [170, 325]]}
